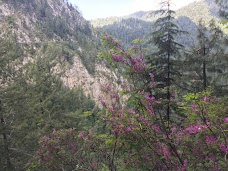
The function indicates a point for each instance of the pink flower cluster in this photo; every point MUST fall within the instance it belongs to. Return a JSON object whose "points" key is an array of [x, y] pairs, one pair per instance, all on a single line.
{"points": [[62, 142], [144, 121], [120, 129], [170, 139], [194, 129], [193, 107], [117, 58], [150, 99], [151, 75], [224, 147], [210, 140], [206, 99], [184, 166], [226, 120], [165, 152], [137, 64], [156, 129], [82, 136]]}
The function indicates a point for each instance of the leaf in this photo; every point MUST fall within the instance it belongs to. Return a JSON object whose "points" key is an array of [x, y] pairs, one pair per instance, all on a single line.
{"points": [[87, 113]]}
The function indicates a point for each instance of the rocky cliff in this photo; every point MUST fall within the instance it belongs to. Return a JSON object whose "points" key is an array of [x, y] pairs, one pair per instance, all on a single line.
{"points": [[57, 24]]}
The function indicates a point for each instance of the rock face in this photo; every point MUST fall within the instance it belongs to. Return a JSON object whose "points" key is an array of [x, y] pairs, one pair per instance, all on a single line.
{"points": [[78, 76], [40, 23]]}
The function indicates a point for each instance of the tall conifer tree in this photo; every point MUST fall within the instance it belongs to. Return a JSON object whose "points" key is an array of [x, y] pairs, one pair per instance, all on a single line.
{"points": [[206, 66], [9, 53], [167, 49]]}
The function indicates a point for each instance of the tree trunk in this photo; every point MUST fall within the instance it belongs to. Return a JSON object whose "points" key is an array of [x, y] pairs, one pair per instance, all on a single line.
{"points": [[204, 70], [168, 88]]}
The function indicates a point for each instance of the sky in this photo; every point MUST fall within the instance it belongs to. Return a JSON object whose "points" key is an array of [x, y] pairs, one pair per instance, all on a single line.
{"points": [[93, 9]]}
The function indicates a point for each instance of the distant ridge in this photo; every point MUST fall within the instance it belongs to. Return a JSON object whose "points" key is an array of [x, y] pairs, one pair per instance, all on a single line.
{"points": [[187, 18]]}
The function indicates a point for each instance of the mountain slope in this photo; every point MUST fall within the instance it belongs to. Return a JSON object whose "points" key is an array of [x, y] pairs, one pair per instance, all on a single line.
{"points": [[56, 27], [47, 18], [187, 19]]}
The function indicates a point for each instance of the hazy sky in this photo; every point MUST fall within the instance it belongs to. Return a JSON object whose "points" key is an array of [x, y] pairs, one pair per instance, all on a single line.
{"points": [[92, 9]]}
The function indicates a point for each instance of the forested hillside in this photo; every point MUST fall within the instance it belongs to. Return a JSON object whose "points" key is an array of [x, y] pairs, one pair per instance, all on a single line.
{"points": [[49, 75], [40, 21], [143, 92], [140, 23]]}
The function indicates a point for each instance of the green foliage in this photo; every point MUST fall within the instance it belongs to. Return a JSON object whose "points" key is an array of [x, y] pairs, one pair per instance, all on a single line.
{"points": [[206, 65], [147, 139], [34, 101], [223, 8], [60, 22], [10, 20], [47, 126], [126, 30], [9, 58]]}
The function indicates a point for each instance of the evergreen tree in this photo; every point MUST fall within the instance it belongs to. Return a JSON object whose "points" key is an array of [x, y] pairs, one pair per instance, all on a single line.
{"points": [[9, 54], [223, 4], [33, 102], [167, 50], [207, 65]]}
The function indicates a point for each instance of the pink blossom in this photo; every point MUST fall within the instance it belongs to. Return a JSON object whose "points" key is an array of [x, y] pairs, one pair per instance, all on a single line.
{"points": [[126, 88], [224, 148], [102, 103], [131, 111], [137, 64], [149, 108], [80, 135], [158, 102], [183, 167], [206, 99], [194, 129], [112, 118], [129, 129], [151, 75], [152, 83], [144, 121], [156, 129], [193, 107], [150, 99], [111, 109], [209, 140], [117, 58], [226, 120], [165, 152], [115, 131], [114, 96]]}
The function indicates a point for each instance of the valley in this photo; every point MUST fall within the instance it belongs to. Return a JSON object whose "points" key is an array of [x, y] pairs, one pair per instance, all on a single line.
{"points": [[146, 91]]}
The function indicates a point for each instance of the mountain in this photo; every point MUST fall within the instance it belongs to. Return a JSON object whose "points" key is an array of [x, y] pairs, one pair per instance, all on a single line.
{"points": [[59, 25], [45, 18], [51, 85], [50, 76], [140, 23], [56, 27]]}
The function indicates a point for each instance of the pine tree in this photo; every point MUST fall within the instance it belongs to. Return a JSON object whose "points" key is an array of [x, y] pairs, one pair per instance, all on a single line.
{"points": [[167, 50], [223, 4], [9, 54], [206, 66], [33, 102]]}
